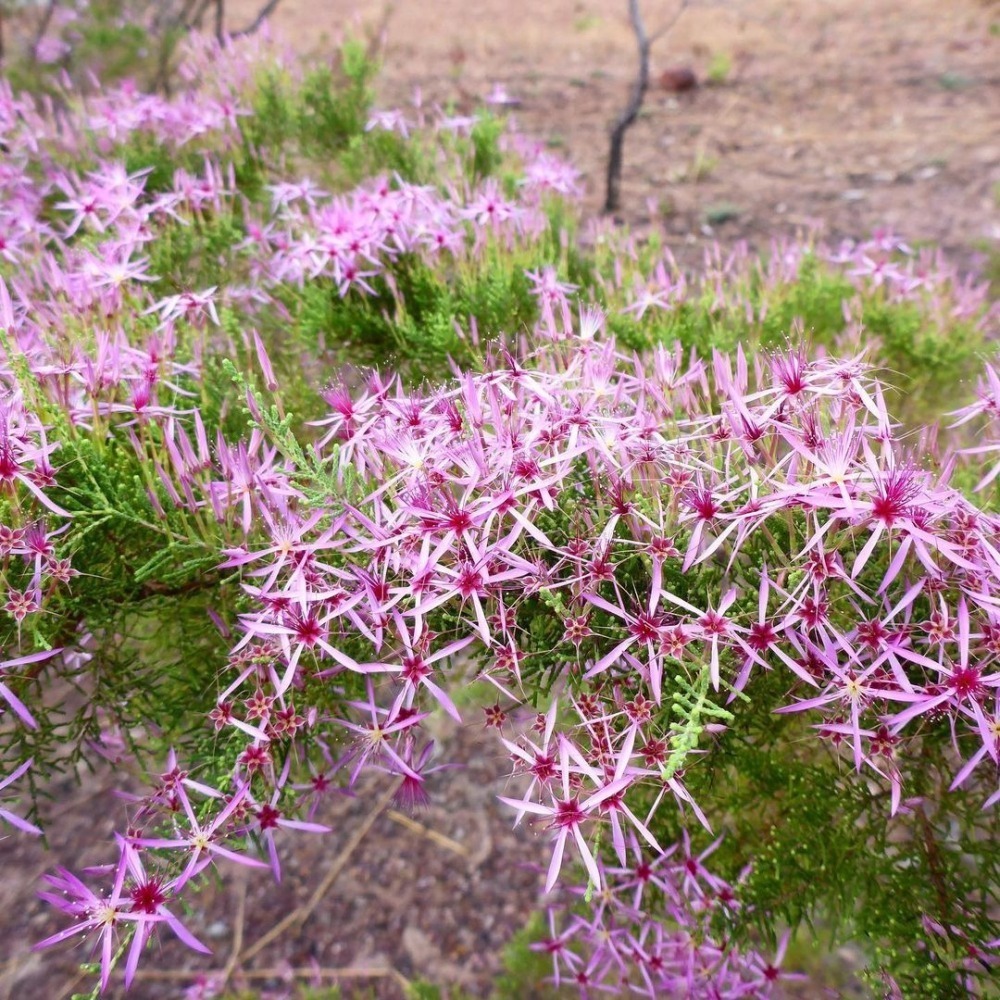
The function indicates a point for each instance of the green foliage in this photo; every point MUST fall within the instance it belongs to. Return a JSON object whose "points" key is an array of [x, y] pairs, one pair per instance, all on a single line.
{"points": [[692, 704], [323, 118], [525, 970], [421, 989], [815, 299], [381, 151], [143, 151], [322, 482], [718, 213], [719, 68], [272, 122], [195, 256], [150, 577], [922, 353], [991, 270], [924, 363], [417, 322], [486, 154], [497, 297], [797, 817], [333, 107], [114, 44]]}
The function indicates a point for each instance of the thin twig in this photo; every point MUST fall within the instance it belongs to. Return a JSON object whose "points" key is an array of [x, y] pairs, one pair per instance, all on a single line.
{"points": [[43, 26], [614, 176], [199, 16], [425, 831], [168, 43], [163, 15], [262, 15], [347, 972], [185, 17], [932, 854], [299, 915], [934, 866], [241, 907], [70, 988], [220, 21], [657, 35]]}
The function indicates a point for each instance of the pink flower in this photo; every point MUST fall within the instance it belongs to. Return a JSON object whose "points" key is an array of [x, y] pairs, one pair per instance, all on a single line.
{"points": [[568, 813]]}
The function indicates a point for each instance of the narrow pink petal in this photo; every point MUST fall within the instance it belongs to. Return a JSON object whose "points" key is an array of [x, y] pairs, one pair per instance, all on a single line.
{"points": [[556, 863]]}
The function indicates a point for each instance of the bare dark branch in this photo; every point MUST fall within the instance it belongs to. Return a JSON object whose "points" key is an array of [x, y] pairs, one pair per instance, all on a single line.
{"points": [[170, 30], [612, 198], [174, 14], [168, 19], [43, 26], [262, 15], [220, 21]]}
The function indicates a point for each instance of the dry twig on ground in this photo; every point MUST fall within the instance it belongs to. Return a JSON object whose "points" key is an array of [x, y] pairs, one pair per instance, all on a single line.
{"points": [[300, 914]]}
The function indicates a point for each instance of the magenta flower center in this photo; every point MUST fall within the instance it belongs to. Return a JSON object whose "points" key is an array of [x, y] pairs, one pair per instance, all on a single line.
{"points": [[147, 897], [568, 814]]}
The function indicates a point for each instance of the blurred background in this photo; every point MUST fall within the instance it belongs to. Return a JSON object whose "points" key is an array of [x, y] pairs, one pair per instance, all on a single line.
{"points": [[843, 115]]}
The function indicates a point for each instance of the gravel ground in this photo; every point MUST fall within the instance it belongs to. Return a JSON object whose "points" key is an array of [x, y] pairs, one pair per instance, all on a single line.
{"points": [[433, 895]]}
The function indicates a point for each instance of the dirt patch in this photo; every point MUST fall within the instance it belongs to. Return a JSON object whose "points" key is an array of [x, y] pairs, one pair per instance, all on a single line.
{"points": [[435, 894]]}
